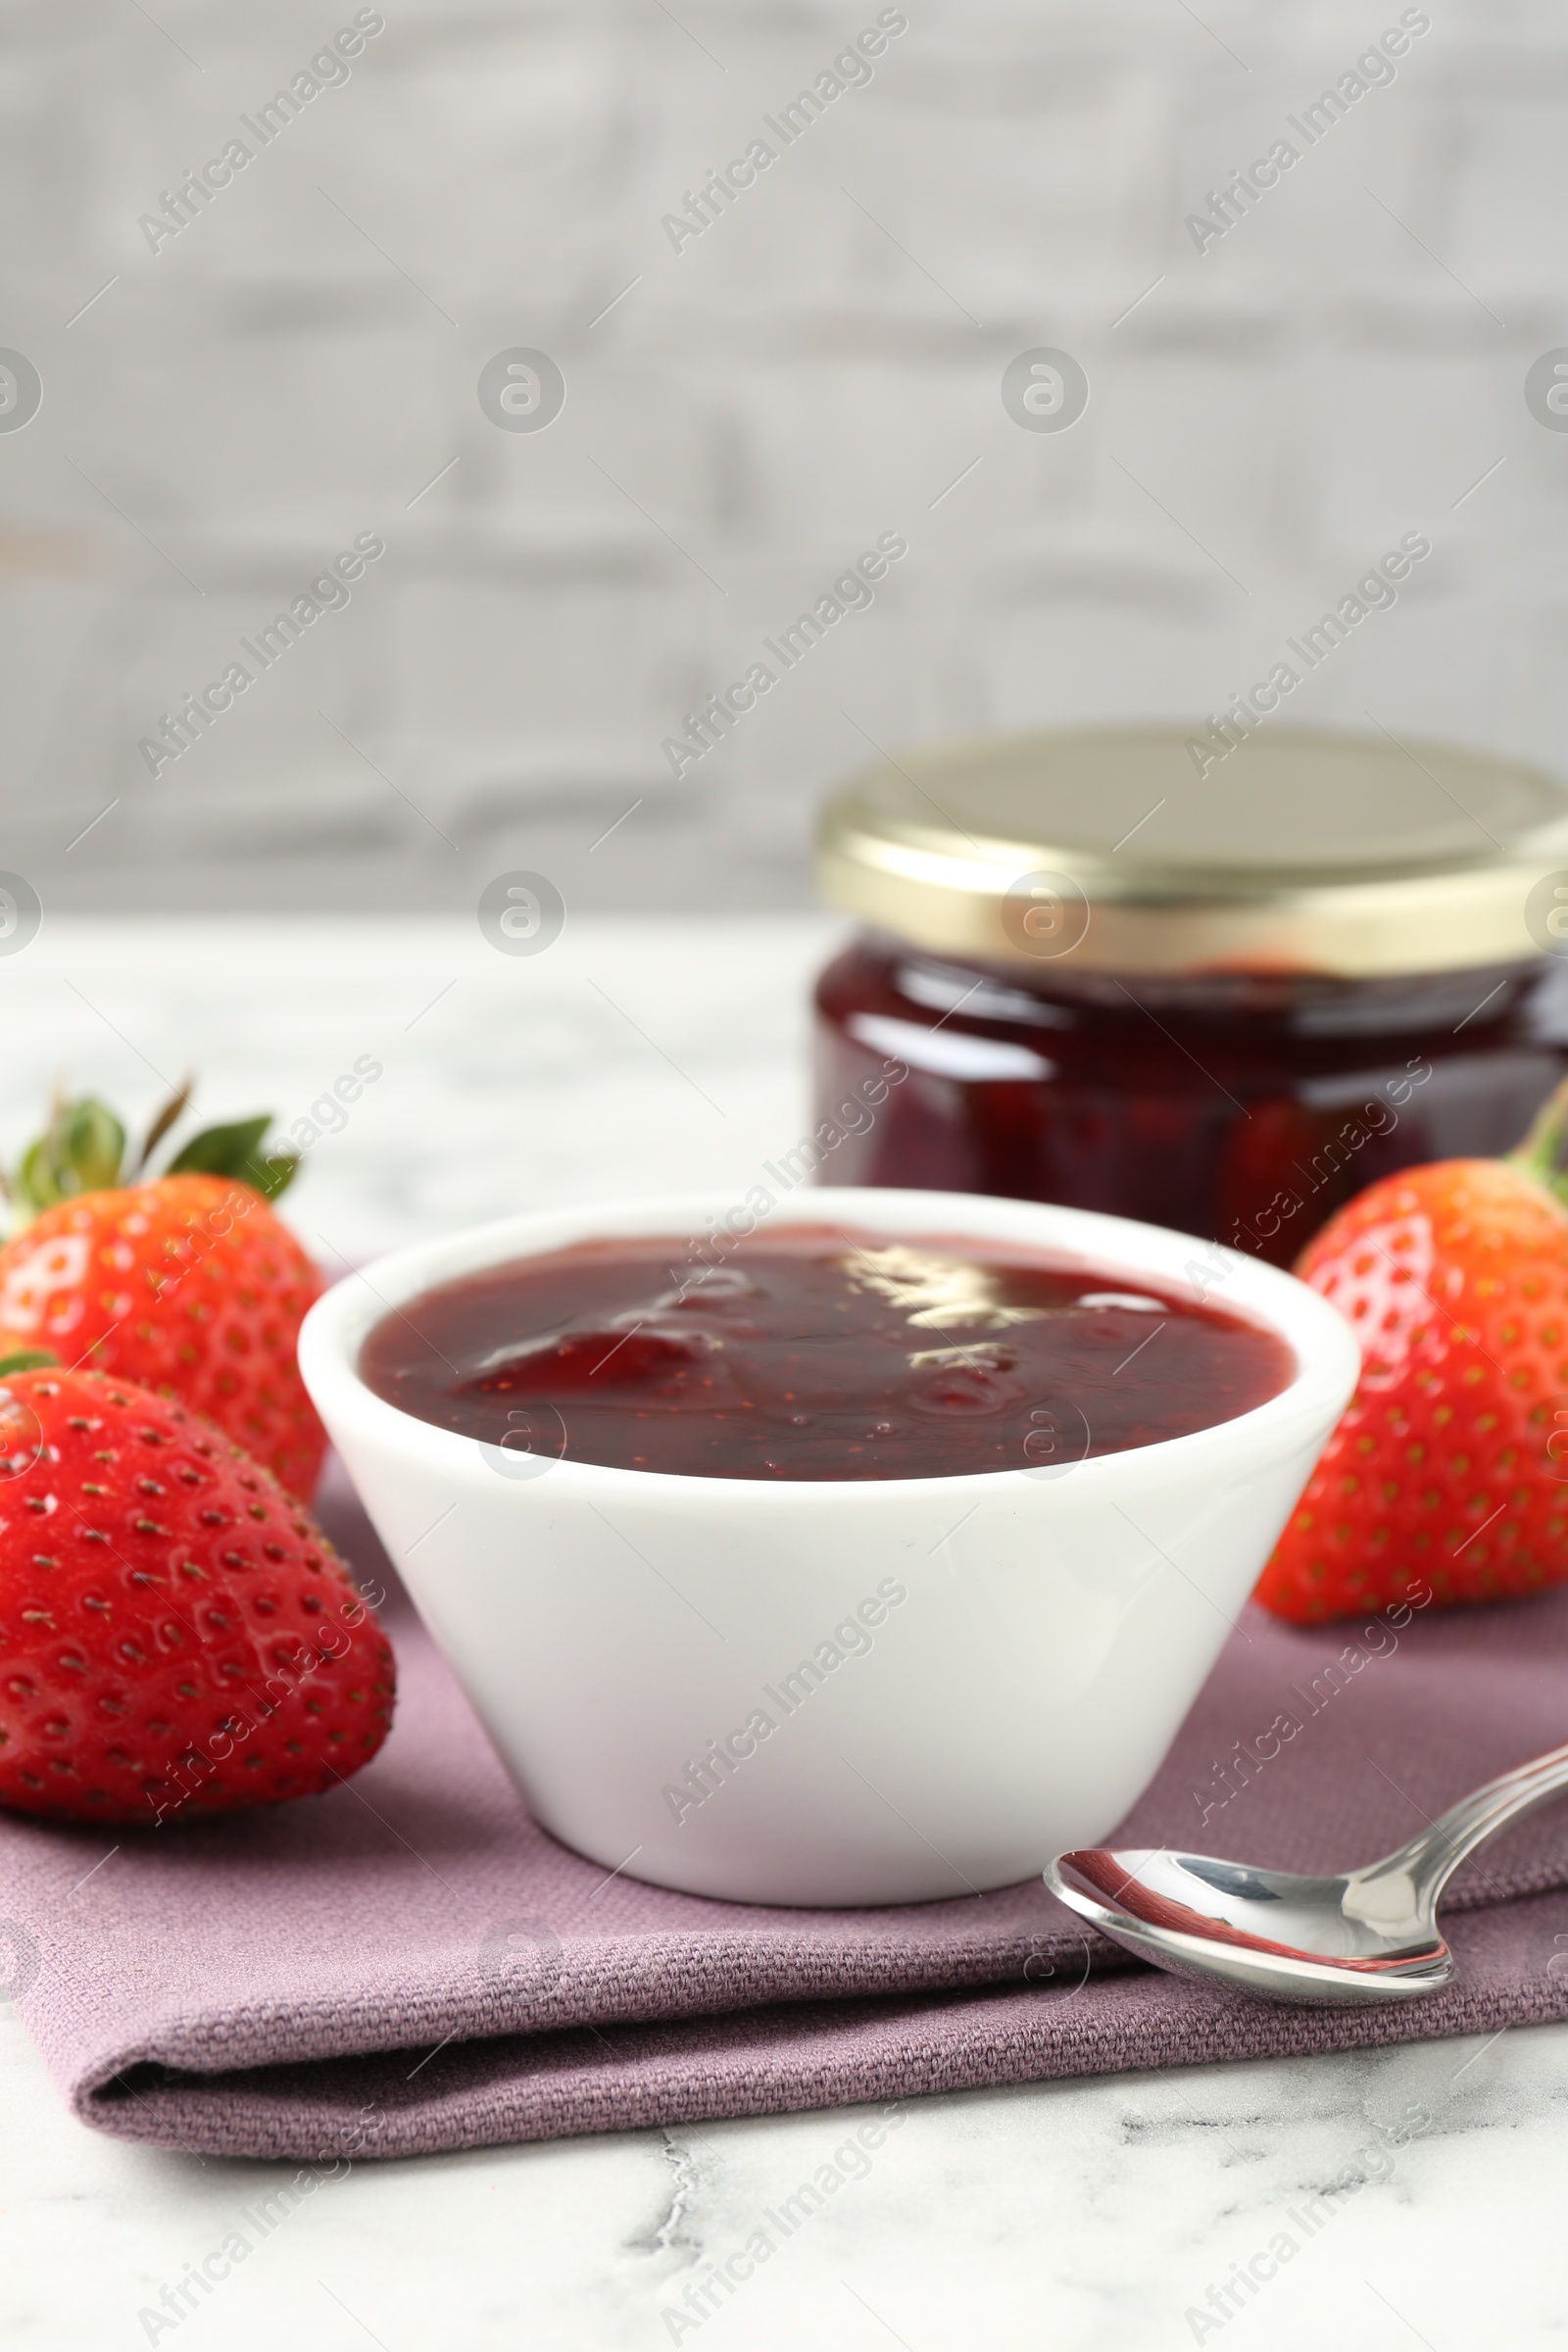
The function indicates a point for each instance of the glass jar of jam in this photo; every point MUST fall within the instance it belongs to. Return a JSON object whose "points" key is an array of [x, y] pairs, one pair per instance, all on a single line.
{"points": [[1218, 981]]}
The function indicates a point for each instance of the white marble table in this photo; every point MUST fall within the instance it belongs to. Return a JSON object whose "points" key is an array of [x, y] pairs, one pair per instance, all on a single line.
{"points": [[1061, 2216]]}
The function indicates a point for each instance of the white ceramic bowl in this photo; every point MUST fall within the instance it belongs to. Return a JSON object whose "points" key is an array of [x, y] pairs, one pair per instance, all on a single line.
{"points": [[1014, 1651]]}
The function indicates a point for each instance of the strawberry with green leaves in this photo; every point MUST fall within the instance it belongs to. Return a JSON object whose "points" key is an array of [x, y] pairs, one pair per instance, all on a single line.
{"points": [[184, 1281], [1449, 1473]]}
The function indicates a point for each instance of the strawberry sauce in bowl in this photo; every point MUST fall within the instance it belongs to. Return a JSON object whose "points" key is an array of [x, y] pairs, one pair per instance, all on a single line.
{"points": [[818, 1352], [869, 1548]]}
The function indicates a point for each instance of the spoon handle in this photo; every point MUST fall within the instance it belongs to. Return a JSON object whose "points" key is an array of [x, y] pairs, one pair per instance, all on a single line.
{"points": [[1436, 1853]]}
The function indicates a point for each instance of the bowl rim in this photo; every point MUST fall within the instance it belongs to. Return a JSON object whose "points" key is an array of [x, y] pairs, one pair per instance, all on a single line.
{"points": [[1325, 1349]]}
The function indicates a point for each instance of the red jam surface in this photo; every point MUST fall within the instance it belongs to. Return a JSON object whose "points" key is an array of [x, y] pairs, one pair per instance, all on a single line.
{"points": [[818, 1353], [1244, 1108]]}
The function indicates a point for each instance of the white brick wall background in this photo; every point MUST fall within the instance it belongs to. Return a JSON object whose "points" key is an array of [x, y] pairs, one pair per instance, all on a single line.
{"points": [[816, 368]]}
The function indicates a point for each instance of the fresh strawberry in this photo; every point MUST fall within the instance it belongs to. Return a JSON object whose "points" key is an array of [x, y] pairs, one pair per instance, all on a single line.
{"points": [[176, 1636], [185, 1282], [1448, 1472], [187, 1285]]}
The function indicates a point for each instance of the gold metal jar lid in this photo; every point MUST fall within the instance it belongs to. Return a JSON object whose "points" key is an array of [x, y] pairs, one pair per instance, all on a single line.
{"points": [[1158, 850]]}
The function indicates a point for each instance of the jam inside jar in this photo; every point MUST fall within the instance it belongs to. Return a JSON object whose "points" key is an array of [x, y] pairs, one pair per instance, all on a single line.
{"points": [[1244, 1108]]}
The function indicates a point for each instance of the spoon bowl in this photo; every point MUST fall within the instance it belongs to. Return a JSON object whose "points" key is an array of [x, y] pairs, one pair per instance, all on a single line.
{"points": [[1287, 1937], [1368, 1934]]}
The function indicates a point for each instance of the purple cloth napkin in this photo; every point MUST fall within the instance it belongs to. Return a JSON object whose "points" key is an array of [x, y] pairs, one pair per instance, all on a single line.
{"points": [[410, 1964]]}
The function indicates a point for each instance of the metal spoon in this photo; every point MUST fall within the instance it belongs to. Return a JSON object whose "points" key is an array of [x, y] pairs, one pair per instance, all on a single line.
{"points": [[1370, 1936]]}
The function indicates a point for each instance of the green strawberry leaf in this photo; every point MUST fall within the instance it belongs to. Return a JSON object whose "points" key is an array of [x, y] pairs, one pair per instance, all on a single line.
{"points": [[83, 1149], [235, 1150], [79, 1152], [26, 1359], [1541, 1153], [219, 1150], [270, 1172], [91, 1147], [33, 1186]]}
